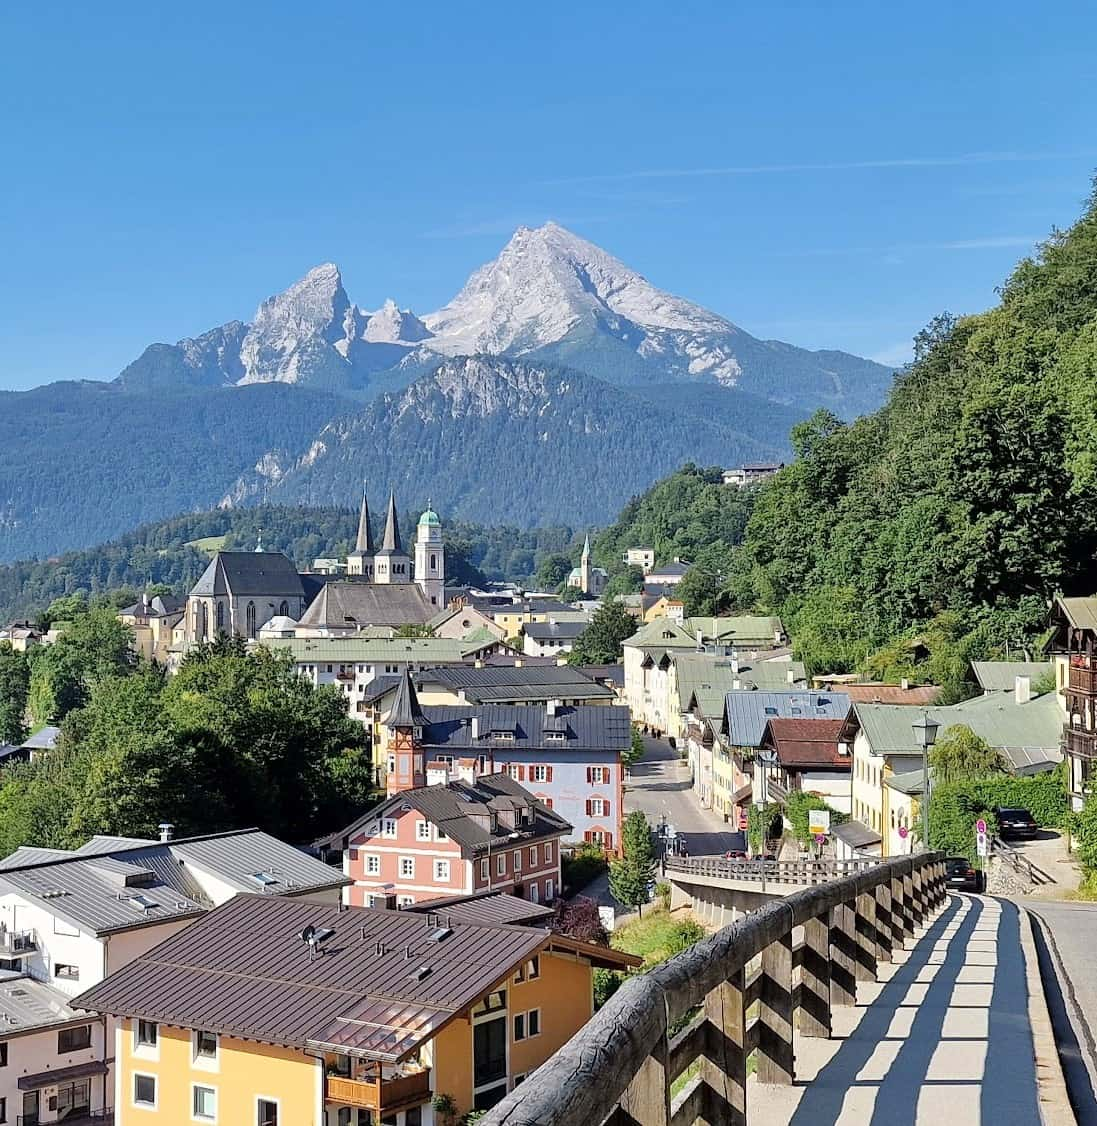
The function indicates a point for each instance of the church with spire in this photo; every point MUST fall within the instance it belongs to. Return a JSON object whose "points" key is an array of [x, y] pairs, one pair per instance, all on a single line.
{"points": [[586, 577]]}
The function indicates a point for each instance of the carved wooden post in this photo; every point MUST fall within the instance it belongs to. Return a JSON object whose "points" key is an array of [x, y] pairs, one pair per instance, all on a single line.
{"points": [[939, 884], [775, 1014], [865, 927], [843, 973], [883, 921], [726, 1078], [908, 905], [815, 977], [917, 879], [647, 1098], [898, 909]]}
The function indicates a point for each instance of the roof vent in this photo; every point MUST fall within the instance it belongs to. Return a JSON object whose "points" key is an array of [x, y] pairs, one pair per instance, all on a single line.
{"points": [[381, 948], [440, 934], [419, 974]]}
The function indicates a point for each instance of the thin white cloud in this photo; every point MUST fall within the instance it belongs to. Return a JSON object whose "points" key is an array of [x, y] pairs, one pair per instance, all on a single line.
{"points": [[959, 160]]}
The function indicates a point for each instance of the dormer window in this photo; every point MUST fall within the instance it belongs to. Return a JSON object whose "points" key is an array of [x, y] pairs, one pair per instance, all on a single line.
{"points": [[555, 736]]}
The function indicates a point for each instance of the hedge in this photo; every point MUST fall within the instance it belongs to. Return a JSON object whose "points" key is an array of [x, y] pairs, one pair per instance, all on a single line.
{"points": [[954, 807], [799, 804]]}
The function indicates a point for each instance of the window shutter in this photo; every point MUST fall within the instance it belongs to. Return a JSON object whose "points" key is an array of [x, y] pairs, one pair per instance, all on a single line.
{"points": [[590, 775], [590, 805], [588, 835], [607, 840], [548, 773], [521, 773]]}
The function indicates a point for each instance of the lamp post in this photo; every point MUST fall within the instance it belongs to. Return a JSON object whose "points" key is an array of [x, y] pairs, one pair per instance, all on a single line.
{"points": [[925, 734], [765, 759]]}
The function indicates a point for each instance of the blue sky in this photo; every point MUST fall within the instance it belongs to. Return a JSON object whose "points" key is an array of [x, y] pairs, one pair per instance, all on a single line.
{"points": [[831, 174]]}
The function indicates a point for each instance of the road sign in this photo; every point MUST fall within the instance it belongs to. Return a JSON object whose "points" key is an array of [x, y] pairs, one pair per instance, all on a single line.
{"points": [[981, 844], [818, 822], [981, 827], [820, 838], [903, 832]]}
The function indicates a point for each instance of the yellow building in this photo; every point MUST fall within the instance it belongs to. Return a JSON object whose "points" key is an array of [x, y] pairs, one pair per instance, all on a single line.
{"points": [[287, 1013], [152, 621]]}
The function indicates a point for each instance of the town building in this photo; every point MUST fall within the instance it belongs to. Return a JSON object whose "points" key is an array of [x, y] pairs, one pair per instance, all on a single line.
{"points": [[471, 836], [642, 557], [586, 577], [553, 638], [665, 575], [808, 755], [507, 684], [152, 621], [1002, 676], [462, 621], [1072, 647], [569, 757], [68, 919], [282, 1013], [751, 473]]}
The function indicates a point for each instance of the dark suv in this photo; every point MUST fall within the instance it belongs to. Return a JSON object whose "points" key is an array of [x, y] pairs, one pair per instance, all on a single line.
{"points": [[960, 875], [1015, 822]]}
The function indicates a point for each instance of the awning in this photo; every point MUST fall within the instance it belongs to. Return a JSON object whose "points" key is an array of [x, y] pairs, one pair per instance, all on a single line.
{"points": [[856, 834], [742, 794], [63, 1075]]}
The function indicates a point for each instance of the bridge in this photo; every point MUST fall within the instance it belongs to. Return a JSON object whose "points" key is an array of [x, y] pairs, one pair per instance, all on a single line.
{"points": [[719, 890], [874, 997]]}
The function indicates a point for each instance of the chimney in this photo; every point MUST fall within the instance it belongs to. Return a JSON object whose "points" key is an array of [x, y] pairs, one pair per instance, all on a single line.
{"points": [[700, 638], [475, 722], [517, 662], [478, 664], [790, 676], [734, 662], [552, 706], [466, 771], [166, 830], [904, 684], [1022, 689], [776, 637]]}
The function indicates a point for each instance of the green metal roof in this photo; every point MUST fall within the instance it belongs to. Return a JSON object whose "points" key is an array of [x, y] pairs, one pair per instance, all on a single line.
{"points": [[394, 650], [709, 678], [1080, 612], [748, 629], [429, 519], [1000, 676], [662, 633]]}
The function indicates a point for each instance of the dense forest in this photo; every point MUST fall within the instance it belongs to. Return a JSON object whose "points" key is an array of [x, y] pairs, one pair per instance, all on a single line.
{"points": [[174, 552], [936, 529]]}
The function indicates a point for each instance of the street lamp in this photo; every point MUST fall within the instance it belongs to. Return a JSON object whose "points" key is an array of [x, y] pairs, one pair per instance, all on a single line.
{"points": [[925, 735]]}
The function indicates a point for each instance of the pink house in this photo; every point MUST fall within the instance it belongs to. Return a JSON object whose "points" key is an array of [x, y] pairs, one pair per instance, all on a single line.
{"points": [[459, 838]]}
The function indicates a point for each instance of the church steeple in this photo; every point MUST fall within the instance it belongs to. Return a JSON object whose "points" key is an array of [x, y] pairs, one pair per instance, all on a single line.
{"points": [[391, 542], [364, 543]]}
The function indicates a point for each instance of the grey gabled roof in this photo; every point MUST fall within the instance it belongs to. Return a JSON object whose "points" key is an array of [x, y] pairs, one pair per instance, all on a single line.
{"points": [[1001, 676], [369, 604], [747, 713], [244, 574], [503, 684], [44, 739], [101, 843], [94, 892], [27, 1005], [463, 811], [492, 908], [449, 728], [561, 631], [27, 854]]}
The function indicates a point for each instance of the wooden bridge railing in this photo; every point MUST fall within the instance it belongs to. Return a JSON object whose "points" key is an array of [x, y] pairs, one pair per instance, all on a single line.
{"points": [[737, 992], [804, 872]]}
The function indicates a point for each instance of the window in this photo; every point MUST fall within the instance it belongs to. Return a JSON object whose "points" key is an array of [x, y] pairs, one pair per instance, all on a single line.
{"points": [[540, 773], [548, 853], [534, 894], [249, 615], [4, 1054], [144, 1091], [485, 869], [518, 860], [519, 1026], [533, 1022], [501, 864], [147, 1034], [220, 616], [266, 1112], [550, 890], [597, 807], [422, 830], [373, 864], [533, 968], [204, 1103], [388, 825], [598, 775], [533, 856], [405, 900], [73, 1039], [440, 834], [66, 972], [441, 871], [407, 867], [392, 764], [205, 1045]]}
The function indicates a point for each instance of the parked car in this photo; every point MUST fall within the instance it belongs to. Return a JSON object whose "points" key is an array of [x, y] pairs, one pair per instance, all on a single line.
{"points": [[960, 875], [1015, 822]]}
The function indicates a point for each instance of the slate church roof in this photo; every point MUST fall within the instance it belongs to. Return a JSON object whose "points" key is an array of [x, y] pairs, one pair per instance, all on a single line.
{"points": [[242, 574]]}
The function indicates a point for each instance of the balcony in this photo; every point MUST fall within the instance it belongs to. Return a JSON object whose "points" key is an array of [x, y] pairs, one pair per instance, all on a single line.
{"points": [[16, 943], [1080, 744], [1082, 680], [384, 1096]]}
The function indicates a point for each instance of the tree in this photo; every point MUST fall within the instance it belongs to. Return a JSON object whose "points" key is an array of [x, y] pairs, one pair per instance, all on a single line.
{"points": [[64, 609], [14, 690], [631, 876], [636, 748], [553, 570], [628, 581], [701, 587], [413, 629], [960, 755], [600, 642], [579, 918]]}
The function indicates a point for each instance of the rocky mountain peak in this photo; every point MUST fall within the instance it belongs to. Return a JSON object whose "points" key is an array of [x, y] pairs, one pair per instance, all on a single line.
{"points": [[393, 325]]}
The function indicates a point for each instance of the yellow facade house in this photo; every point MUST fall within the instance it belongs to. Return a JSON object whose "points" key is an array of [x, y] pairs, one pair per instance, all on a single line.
{"points": [[287, 1013]]}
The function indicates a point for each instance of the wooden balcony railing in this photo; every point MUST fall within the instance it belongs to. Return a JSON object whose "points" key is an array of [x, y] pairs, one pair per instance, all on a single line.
{"points": [[619, 1068], [1081, 744], [1083, 680], [382, 1095]]}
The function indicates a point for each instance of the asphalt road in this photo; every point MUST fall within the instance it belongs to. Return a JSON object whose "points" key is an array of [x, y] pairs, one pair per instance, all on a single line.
{"points": [[1066, 943]]}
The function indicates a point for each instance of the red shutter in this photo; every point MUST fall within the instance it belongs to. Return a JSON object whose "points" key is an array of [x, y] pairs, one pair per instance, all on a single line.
{"points": [[548, 802], [607, 840], [588, 836], [605, 809], [548, 775], [589, 806], [590, 775], [521, 773]]}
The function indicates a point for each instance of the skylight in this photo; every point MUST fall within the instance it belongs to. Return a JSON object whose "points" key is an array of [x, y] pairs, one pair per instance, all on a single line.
{"points": [[264, 879]]}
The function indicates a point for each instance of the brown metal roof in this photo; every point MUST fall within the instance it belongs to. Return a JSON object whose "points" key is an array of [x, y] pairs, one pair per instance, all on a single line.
{"points": [[384, 982]]}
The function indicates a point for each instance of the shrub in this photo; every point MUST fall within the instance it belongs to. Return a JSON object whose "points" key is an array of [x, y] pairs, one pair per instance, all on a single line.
{"points": [[587, 862], [579, 918], [797, 807], [606, 983]]}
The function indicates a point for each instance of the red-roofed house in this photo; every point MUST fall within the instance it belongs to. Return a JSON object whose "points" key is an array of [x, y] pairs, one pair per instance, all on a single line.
{"points": [[810, 757]]}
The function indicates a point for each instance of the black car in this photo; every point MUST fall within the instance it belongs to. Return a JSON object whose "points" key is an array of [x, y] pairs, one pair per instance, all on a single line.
{"points": [[1015, 822], [960, 875]]}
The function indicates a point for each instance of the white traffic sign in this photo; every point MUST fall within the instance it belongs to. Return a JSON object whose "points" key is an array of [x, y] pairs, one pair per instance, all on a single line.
{"points": [[981, 844], [818, 822]]}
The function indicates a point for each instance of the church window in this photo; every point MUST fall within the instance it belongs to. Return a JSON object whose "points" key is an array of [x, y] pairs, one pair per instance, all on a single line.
{"points": [[220, 617], [249, 617], [434, 562], [283, 608]]}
